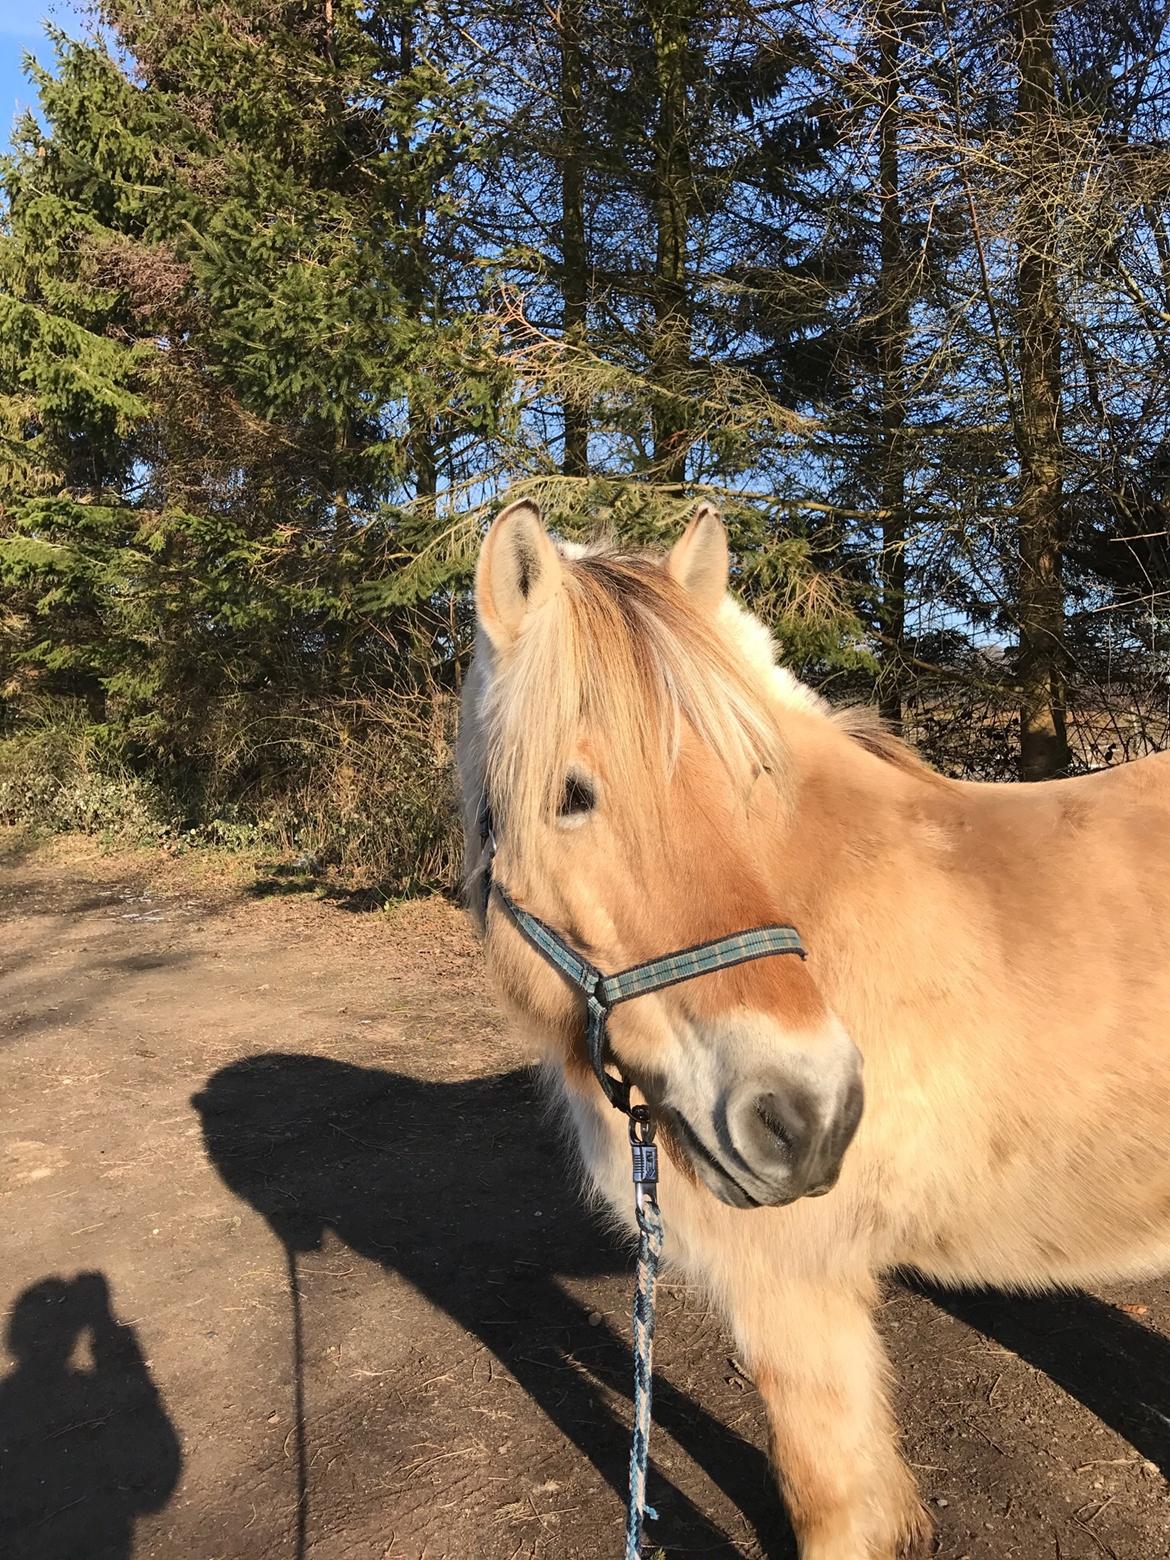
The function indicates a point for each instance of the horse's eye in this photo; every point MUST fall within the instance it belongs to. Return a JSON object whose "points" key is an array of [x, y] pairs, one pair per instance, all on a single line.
{"points": [[576, 798]]}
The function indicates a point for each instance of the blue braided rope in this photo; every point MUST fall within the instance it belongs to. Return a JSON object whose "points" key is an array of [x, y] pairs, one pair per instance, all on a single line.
{"points": [[645, 1299], [601, 993]]}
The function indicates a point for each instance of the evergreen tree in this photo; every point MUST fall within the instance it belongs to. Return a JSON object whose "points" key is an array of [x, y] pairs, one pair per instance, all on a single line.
{"points": [[226, 345], [288, 294]]}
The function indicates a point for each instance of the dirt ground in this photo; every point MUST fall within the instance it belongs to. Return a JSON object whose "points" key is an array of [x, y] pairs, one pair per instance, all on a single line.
{"points": [[290, 1266]]}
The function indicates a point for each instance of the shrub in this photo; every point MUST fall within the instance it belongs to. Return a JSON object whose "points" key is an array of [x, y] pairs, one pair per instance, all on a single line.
{"points": [[60, 774], [361, 788]]}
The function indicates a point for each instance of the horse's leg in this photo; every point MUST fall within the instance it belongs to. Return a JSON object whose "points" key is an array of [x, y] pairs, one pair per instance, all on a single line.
{"points": [[821, 1370]]}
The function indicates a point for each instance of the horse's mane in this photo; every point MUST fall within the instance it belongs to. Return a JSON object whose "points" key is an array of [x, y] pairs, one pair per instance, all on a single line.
{"points": [[622, 654], [864, 725]]}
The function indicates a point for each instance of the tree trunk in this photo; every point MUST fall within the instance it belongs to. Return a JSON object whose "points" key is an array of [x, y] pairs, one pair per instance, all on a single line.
{"points": [[1041, 666], [671, 350], [422, 454], [894, 326], [421, 433], [574, 256]]}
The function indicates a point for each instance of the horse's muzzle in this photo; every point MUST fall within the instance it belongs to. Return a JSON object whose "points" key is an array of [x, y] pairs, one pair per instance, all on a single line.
{"points": [[773, 1139]]}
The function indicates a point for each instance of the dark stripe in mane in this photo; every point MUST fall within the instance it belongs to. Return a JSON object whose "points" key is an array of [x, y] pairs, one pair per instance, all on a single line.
{"points": [[864, 725]]}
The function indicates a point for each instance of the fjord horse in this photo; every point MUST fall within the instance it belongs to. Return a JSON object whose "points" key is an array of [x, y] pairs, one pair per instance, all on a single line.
{"points": [[986, 966]]}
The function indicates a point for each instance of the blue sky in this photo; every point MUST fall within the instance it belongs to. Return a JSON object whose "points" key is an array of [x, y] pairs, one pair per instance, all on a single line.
{"points": [[22, 32]]}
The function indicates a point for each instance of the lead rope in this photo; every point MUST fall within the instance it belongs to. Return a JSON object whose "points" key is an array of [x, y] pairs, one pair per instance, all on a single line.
{"points": [[650, 1236], [601, 992]]}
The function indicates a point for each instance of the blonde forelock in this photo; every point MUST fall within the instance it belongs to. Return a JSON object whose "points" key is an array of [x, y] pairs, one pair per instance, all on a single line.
{"points": [[618, 659]]}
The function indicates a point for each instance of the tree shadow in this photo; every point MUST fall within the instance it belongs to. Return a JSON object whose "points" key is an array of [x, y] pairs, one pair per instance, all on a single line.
{"points": [[1105, 1359], [40, 997], [439, 1181], [287, 882], [86, 1446]]}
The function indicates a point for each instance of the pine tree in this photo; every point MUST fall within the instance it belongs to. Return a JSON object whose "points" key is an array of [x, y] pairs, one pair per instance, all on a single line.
{"points": [[242, 383]]}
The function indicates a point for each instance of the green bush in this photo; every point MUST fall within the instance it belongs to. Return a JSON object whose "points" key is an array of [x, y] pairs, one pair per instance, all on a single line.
{"points": [[359, 789], [59, 774]]}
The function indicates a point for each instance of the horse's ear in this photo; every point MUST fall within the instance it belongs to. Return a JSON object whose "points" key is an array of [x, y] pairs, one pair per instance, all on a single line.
{"points": [[519, 569], [699, 560]]}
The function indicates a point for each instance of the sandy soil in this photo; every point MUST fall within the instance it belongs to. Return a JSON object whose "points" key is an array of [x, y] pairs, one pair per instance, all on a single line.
{"points": [[290, 1266]]}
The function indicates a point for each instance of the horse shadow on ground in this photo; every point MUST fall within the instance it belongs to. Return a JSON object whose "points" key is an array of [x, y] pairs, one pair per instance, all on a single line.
{"points": [[1118, 1368], [86, 1444], [439, 1181]]}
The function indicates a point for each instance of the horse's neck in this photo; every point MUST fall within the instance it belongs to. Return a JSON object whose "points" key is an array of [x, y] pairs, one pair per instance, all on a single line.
{"points": [[858, 834]]}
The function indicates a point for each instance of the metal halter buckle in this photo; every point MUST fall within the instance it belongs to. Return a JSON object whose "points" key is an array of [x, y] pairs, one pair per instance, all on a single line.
{"points": [[645, 1156]]}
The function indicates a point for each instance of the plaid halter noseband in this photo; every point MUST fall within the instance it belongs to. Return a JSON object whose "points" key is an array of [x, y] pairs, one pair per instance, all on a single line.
{"points": [[603, 992]]}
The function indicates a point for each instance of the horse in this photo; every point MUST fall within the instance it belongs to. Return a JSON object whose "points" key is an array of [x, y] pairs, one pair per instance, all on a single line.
{"points": [[968, 1076]]}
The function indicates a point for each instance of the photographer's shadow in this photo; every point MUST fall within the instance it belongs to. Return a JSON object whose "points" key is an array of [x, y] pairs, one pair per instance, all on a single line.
{"points": [[463, 1189], [86, 1445]]}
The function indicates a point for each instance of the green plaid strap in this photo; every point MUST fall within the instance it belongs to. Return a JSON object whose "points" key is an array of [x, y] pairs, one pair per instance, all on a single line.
{"points": [[554, 948], [723, 953], [602, 992], [588, 980]]}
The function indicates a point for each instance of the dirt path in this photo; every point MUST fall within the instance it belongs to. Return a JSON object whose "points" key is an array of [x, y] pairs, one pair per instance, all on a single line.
{"points": [[297, 1158]]}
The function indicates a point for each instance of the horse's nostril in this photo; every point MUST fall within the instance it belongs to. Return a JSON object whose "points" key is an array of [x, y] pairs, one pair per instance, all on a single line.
{"points": [[790, 1138], [769, 1110]]}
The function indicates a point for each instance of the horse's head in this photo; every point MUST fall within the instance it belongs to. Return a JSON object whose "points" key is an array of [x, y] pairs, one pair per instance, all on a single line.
{"points": [[624, 736]]}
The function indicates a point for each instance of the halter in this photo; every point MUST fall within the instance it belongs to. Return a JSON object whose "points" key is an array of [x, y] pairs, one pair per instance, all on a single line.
{"points": [[602, 993]]}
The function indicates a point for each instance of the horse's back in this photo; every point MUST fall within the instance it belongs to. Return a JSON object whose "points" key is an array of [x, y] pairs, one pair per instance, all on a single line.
{"points": [[1074, 858]]}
